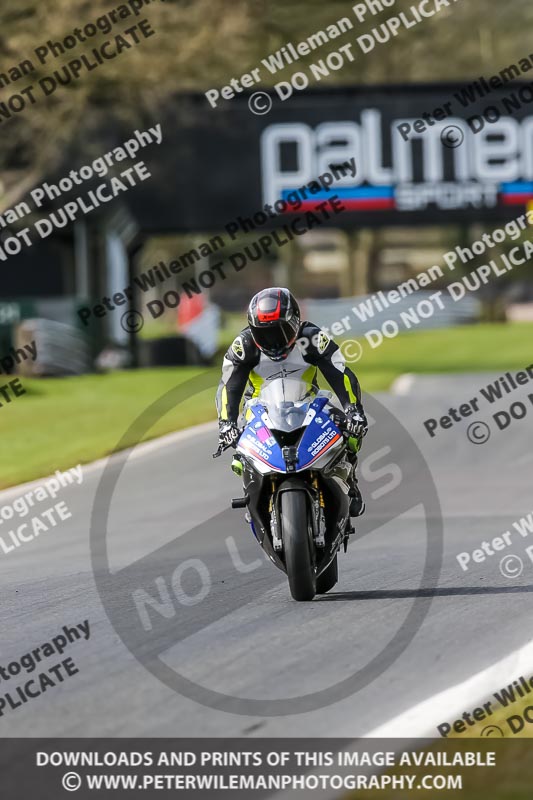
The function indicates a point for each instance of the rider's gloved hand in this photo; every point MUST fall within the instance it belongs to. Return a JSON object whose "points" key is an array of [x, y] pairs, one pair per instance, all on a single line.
{"points": [[356, 421], [228, 433]]}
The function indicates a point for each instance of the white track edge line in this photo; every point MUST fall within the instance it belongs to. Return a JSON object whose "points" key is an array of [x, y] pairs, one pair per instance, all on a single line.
{"points": [[421, 720]]}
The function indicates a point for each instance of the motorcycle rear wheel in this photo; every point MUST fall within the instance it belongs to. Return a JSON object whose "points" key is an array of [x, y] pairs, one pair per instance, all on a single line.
{"points": [[297, 545]]}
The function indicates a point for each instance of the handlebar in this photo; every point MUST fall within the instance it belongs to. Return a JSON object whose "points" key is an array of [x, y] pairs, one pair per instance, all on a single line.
{"points": [[221, 448]]}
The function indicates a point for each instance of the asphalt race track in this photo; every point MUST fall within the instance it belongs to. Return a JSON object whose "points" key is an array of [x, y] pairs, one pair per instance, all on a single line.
{"points": [[246, 638]]}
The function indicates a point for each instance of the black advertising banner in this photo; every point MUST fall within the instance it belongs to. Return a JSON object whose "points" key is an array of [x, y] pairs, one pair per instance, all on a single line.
{"points": [[420, 154]]}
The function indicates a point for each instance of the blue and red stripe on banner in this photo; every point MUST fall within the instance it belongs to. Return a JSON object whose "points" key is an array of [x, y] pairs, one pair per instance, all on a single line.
{"points": [[355, 198], [517, 193]]}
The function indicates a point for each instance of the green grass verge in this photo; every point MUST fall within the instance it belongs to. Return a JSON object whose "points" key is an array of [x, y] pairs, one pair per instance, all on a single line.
{"points": [[476, 348], [62, 422], [507, 776]]}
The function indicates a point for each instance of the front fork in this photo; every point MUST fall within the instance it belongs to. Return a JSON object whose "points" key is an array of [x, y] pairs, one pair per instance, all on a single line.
{"points": [[319, 526], [318, 520], [277, 541], [318, 508]]}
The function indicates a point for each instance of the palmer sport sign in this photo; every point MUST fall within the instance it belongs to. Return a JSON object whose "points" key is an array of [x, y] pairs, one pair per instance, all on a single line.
{"points": [[450, 164]]}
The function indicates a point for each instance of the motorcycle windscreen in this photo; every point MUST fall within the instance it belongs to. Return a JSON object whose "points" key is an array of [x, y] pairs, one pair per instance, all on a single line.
{"points": [[286, 401]]}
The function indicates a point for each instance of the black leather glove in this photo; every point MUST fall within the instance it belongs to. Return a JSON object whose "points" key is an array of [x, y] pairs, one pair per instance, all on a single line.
{"points": [[356, 421], [228, 434]]}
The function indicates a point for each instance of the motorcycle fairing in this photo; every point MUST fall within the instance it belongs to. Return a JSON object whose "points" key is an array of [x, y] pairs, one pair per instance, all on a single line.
{"points": [[257, 442], [320, 434]]}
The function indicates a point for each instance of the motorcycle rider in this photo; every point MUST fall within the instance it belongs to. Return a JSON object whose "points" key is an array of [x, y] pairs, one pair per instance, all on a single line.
{"points": [[276, 333]]}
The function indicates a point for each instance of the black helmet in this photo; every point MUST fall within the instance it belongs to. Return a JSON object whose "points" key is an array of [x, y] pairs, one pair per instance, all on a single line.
{"points": [[274, 320]]}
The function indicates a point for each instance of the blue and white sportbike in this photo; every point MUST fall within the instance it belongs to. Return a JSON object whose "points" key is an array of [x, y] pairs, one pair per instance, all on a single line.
{"points": [[295, 462]]}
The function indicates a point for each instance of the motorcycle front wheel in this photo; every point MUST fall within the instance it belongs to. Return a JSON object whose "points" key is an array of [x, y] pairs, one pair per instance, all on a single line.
{"points": [[297, 545]]}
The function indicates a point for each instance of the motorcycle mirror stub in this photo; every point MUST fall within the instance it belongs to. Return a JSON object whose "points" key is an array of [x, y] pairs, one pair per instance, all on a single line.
{"points": [[354, 444], [236, 466]]}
